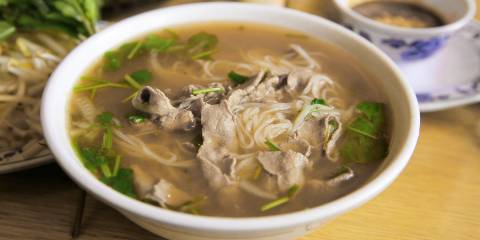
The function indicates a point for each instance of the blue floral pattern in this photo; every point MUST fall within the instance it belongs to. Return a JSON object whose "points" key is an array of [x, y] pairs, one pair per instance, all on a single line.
{"points": [[417, 49]]}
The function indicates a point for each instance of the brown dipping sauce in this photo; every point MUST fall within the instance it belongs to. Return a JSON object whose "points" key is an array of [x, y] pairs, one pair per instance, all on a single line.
{"points": [[401, 14]]}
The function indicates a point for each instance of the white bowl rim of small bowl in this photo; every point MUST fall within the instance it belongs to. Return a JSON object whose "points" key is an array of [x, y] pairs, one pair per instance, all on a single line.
{"points": [[461, 21]]}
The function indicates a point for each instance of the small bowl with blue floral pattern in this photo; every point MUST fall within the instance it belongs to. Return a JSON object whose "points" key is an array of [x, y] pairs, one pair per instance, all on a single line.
{"points": [[408, 44]]}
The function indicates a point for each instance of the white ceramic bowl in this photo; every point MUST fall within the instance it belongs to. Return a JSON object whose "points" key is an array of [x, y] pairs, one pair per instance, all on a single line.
{"points": [[175, 225], [409, 44]]}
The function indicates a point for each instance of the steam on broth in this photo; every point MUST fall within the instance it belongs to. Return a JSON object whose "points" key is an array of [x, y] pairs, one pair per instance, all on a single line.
{"points": [[229, 120], [401, 14]]}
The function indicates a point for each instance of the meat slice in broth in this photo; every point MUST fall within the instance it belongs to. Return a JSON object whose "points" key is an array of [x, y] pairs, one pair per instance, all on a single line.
{"points": [[219, 141], [155, 102], [286, 166]]}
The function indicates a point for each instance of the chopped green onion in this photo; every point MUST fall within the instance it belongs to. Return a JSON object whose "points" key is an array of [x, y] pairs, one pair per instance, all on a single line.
{"points": [[132, 82], [207, 90], [341, 170], [293, 190], [274, 204], [272, 146], [237, 78], [134, 118]]}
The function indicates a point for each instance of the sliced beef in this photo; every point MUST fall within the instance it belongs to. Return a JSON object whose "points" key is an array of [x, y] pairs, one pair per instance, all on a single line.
{"points": [[297, 145], [155, 102], [287, 166], [260, 89], [166, 193], [331, 136], [218, 126], [312, 132], [219, 140]]}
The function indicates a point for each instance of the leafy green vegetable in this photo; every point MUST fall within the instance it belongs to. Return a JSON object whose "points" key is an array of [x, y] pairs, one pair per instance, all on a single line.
{"points": [[122, 182], [207, 90], [364, 140], [74, 17], [272, 146], [237, 78], [136, 118], [158, 44], [6, 30]]}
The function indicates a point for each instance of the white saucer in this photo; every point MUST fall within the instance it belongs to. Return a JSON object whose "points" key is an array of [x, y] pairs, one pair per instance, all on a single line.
{"points": [[451, 77]]}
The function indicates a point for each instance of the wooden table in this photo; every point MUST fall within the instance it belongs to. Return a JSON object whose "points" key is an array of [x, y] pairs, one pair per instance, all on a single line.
{"points": [[436, 197]]}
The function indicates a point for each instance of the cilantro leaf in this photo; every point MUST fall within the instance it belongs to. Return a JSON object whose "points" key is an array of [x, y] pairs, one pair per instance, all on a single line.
{"points": [[156, 43], [142, 77], [364, 140], [113, 61], [105, 119], [122, 182], [318, 101], [237, 78]]}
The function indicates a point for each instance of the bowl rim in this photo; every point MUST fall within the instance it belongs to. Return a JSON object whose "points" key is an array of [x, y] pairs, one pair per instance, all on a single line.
{"points": [[226, 224], [467, 16]]}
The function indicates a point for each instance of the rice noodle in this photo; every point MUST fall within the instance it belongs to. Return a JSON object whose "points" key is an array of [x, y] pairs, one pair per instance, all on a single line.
{"points": [[135, 146]]}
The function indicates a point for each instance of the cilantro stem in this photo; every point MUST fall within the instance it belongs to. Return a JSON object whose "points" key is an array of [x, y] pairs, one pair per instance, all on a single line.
{"points": [[272, 146], [107, 142], [274, 203], [207, 90], [135, 49], [98, 86], [134, 94], [116, 166], [203, 54], [132, 82], [106, 170]]}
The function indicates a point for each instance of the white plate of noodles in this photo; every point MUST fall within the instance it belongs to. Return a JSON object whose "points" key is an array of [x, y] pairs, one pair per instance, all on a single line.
{"points": [[27, 58]]}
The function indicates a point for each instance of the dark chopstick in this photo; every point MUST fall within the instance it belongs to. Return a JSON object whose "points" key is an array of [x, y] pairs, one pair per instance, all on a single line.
{"points": [[77, 221]]}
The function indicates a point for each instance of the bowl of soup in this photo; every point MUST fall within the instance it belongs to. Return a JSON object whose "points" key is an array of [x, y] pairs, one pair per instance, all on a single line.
{"points": [[407, 30], [230, 121]]}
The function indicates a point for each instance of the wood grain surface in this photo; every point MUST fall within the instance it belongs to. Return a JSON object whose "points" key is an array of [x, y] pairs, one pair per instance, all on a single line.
{"points": [[436, 197]]}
